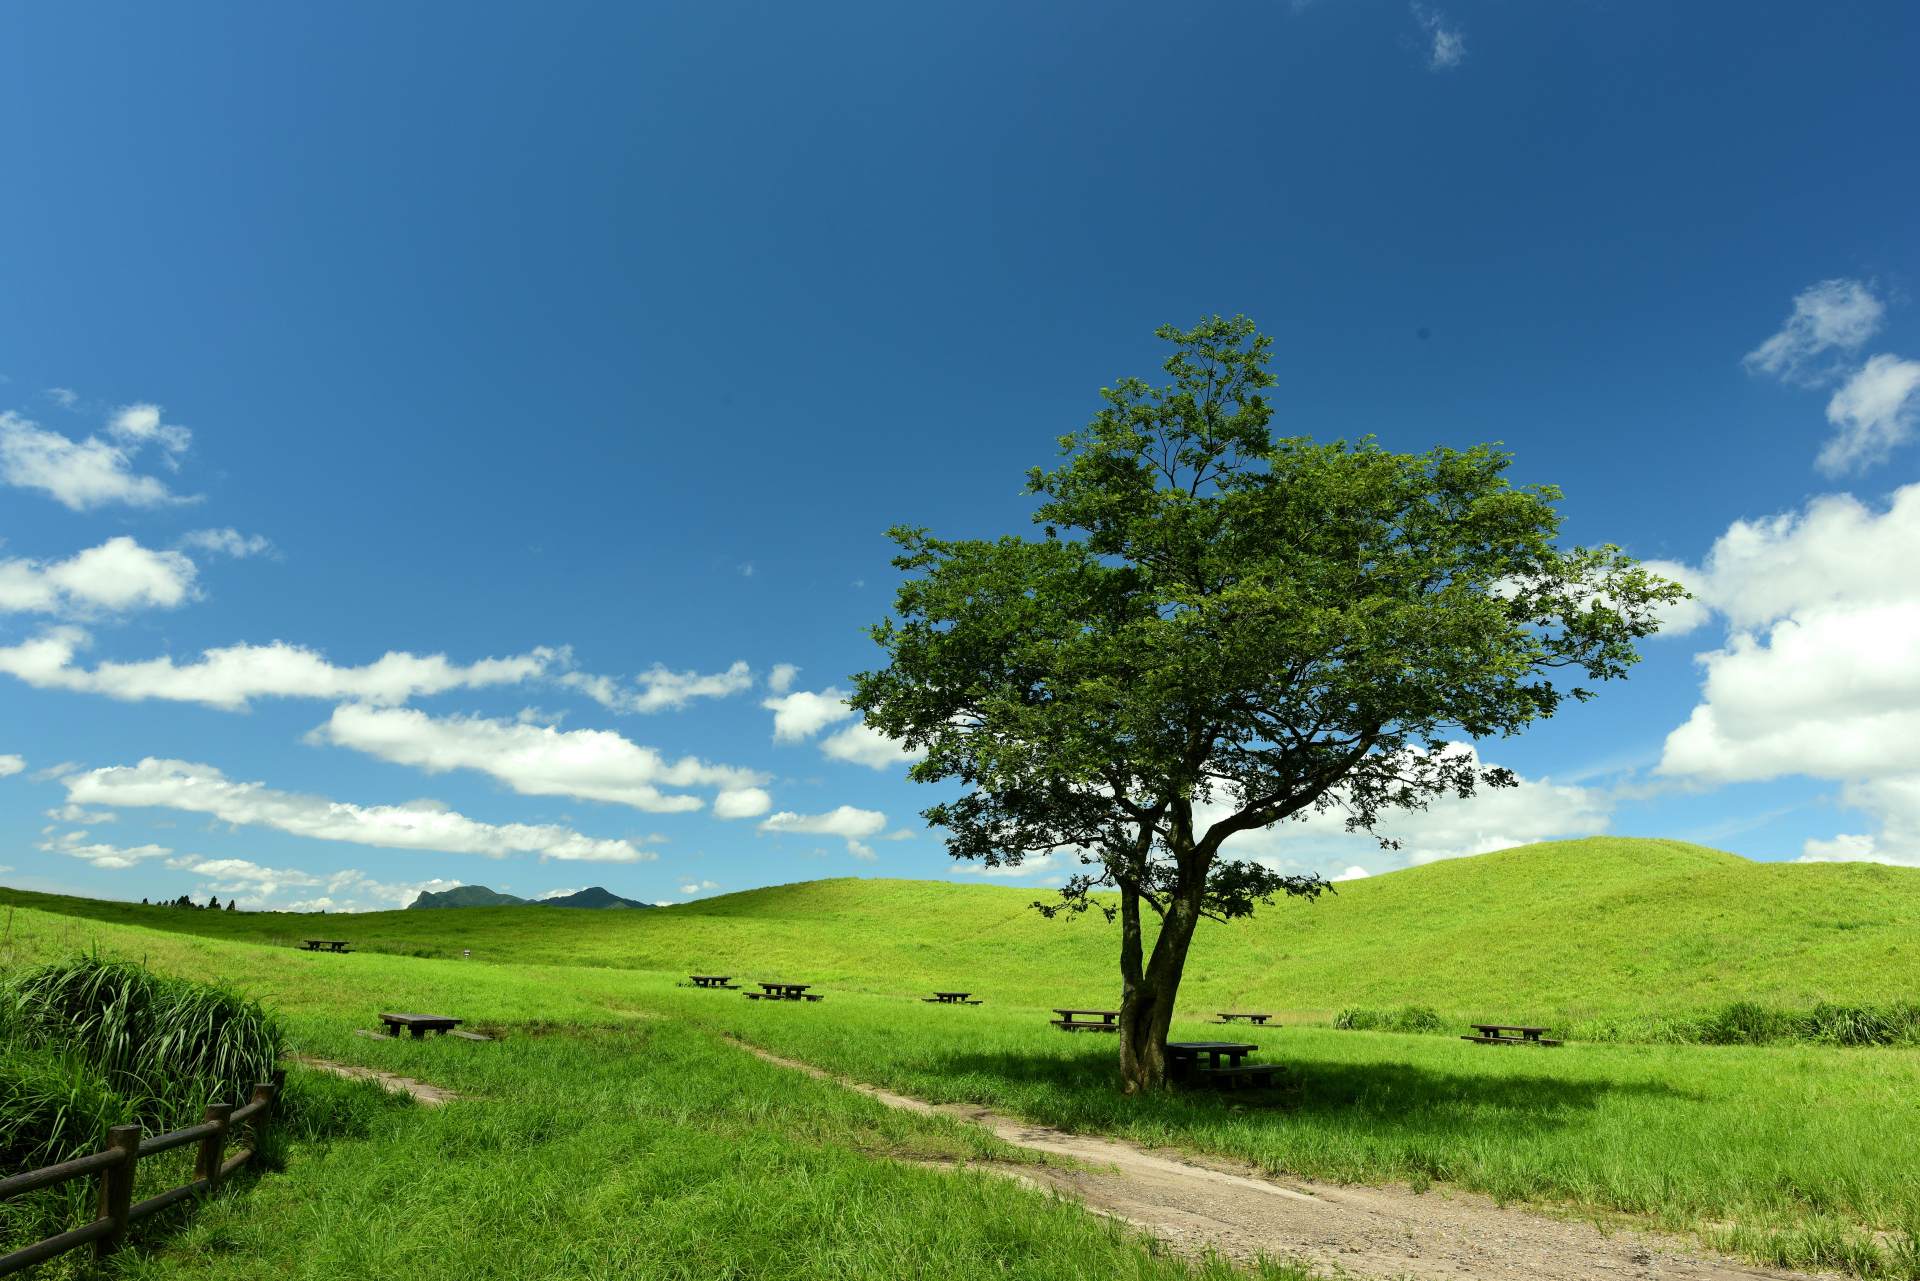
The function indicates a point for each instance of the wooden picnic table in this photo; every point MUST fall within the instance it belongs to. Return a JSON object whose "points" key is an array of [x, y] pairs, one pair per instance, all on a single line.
{"points": [[785, 992], [1498, 1034], [712, 980], [1183, 1063], [324, 945], [1228, 1016], [419, 1024], [950, 998], [1067, 1023]]}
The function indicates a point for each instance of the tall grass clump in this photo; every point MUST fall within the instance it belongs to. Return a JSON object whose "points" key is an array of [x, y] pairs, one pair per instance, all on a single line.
{"points": [[1751, 1023], [1408, 1018], [165, 1045]]}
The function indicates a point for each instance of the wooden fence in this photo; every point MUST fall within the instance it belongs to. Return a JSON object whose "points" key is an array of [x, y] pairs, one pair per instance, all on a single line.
{"points": [[117, 1165]]}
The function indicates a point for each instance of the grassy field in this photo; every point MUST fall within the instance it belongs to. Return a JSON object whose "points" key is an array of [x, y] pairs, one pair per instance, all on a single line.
{"points": [[1798, 1155], [600, 1140], [1567, 931]]}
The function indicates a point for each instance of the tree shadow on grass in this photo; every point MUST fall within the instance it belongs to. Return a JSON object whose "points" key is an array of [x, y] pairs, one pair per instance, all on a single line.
{"points": [[1400, 1097]]}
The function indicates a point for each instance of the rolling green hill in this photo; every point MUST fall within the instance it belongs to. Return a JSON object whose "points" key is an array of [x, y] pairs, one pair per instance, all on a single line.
{"points": [[1602, 927]]}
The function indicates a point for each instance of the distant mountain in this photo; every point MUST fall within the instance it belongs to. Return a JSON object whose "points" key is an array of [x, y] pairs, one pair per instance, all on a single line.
{"points": [[481, 896], [465, 896], [592, 896]]}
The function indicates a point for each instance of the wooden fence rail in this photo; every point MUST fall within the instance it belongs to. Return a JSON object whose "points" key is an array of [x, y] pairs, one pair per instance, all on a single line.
{"points": [[117, 1165]]}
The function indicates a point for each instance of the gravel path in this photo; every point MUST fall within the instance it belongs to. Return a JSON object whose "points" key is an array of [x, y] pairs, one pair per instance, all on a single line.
{"points": [[1196, 1204]]}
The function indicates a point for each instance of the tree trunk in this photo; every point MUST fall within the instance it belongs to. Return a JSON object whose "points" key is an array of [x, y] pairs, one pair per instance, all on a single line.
{"points": [[1148, 993]]}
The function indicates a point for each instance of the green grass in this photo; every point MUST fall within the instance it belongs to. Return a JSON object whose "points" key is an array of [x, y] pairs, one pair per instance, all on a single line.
{"points": [[1791, 1154], [597, 1140], [1593, 930]]}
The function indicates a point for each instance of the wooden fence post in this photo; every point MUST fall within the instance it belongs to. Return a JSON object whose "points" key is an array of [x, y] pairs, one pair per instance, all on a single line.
{"points": [[116, 1187], [213, 1148]]}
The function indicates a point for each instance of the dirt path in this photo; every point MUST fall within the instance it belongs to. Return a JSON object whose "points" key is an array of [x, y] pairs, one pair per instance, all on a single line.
{"points": [[1195, 1203], [431, 1095]]}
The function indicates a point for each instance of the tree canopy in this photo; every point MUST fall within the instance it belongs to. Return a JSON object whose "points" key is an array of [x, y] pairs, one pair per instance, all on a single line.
{"points": [[1216, 631]]}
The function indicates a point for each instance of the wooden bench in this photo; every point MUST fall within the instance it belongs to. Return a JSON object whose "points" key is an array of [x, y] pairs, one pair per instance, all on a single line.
{"points": [[714, 980], [785, 992], [1068, 1023], [1229, 1016], [419, 1024], [1497, 1034], [950, 998], [324, 945], [1228, 1078]]}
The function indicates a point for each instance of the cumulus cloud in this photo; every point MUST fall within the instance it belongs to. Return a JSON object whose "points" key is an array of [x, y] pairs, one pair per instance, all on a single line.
{"points": [[232, 676], [241, 876], [1537, 809], [1355, 873], [658, 689], [1873, 412], [1447, 48], [804, 713], [801, 714], [415, 825], [227, 542], [780, 679], [852, 825], [1819, 672], [117, 575], [864, 745], [741, 802], [1832, 316], [93, 472], [698, 887], [11, 764], [536, 760]]}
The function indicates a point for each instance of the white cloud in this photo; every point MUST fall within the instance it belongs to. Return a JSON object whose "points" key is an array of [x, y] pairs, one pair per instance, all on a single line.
{"points": [[1819, 674], [561, 893], [227, 542], [416, 825], [93, 472], [112, 857], [658, 689], [1355, 873], [232, 676], [11, 764], [780, 679], [850, 824], [1872, 413], [698, 887], [1834, 315], [534, 760], [119, 574], [1448, 47], [1493, 818], [803, 713], [864, 745], [1835, 552], [65, 397], [741, 802], [238, 875], [84, 817]]}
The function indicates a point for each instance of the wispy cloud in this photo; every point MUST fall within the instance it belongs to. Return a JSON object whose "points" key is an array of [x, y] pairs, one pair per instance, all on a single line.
{"points": [[96, 471], [1447, 48], [415, 825]]}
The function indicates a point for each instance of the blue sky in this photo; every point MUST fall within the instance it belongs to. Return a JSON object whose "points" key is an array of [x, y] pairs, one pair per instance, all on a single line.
{"points": [[458, 448]]}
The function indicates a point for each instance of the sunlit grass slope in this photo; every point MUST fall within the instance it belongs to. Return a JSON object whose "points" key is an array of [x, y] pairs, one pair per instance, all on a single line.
{"points": [[1602, 927]]}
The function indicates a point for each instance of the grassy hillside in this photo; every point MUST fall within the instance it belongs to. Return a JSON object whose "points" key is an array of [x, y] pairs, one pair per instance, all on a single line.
{"points": [[1603, 927]]}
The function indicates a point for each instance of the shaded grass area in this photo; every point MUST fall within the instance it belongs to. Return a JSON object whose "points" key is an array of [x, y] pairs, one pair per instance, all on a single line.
{"points": [[1614, 929], [599, 1141]]}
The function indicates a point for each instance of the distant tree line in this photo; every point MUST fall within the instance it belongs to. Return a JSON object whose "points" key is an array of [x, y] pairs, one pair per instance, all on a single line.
{"points": [[211, 905]]}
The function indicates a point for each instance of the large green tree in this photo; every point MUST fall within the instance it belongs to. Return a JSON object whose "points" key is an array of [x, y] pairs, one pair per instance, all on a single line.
{"points": [[1217, 631]]}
